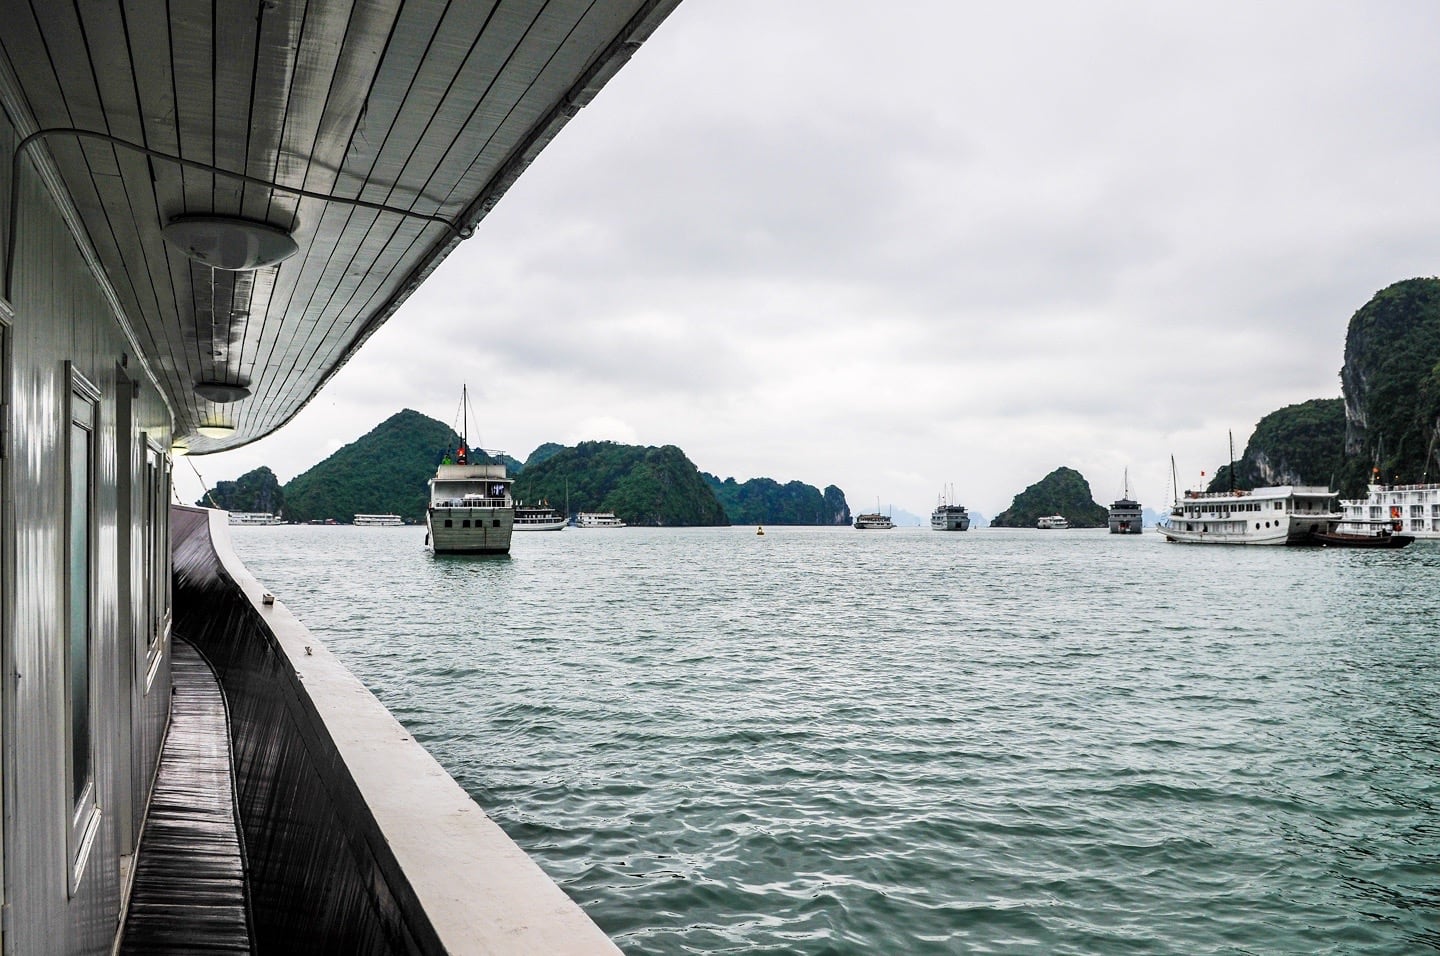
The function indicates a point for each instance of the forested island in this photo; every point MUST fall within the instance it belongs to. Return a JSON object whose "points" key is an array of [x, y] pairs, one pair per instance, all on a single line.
{"points": [[1062, 492], [386, 470]]}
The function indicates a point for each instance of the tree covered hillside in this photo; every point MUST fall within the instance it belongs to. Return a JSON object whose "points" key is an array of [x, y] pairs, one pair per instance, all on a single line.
{"points": [[383, 472], [766, 501], [1300, 444], [257, 490], [1391, 382], [641, 485], [1062, 492]]}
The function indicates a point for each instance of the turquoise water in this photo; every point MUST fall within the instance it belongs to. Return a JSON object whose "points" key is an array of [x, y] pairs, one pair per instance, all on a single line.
{"points": [[831, 741]]}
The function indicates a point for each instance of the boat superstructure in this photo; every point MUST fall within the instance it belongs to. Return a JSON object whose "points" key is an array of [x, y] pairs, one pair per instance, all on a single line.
{"points": [[205, 211], [1052, 523], [1411, 509], [254, 518], [949, 515], [470, 511], [1283, 514], [378, 521], [539, 518], [597, 519], [1126, 515]]}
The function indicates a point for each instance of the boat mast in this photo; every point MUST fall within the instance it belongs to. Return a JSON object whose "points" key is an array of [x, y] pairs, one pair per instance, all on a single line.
{"points": [[1231, 433]]}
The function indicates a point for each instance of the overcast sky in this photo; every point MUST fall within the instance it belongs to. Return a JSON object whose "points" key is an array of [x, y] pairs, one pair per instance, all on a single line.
{"points": [[895, 247]]}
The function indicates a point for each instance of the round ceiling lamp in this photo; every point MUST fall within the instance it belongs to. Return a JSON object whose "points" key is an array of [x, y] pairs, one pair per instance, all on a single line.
{"points": [[216, 430], [221, 392], [228, 242]]}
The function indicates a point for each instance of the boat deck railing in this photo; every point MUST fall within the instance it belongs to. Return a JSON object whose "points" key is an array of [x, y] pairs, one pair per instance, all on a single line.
{"points": [[471, 503]]}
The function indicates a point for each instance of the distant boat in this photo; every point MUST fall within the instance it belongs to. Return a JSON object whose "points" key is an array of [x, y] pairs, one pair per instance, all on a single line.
{"points": [[759, 530], [949, 516], [598, 519], [873, 522], [1126, 515], [538, 518], [378, 521], [255, 518], [1053, 522]]}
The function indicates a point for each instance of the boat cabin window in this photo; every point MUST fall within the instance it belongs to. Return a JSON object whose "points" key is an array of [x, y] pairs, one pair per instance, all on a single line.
{"points": [[79, 626]]}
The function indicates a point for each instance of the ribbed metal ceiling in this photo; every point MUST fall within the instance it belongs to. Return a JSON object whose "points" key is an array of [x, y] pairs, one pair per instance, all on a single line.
{"points": [[259, 108]]}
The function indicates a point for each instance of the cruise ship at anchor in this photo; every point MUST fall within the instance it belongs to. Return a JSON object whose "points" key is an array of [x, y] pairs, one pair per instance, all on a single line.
{"points": [[1409, 509], [206, 210]]}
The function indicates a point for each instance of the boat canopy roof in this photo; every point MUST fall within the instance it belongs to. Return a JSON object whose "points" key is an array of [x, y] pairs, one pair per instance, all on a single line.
{"points": [[257, 186]]}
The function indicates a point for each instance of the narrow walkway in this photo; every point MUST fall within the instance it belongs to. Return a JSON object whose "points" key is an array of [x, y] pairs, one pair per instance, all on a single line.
{"points": [[189, 893]]}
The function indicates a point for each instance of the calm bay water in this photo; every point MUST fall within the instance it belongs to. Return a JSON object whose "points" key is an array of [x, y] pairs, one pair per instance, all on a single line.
{"points": [[831, 741]]}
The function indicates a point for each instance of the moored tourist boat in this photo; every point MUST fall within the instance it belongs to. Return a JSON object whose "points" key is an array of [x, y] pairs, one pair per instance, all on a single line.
{"points": [[378, 521], [1053, 523], [538, 518], [1126, 515], [1408, 509], [1283, 514], [873, 522], [598, 519], [948, 515], [254, 518]]}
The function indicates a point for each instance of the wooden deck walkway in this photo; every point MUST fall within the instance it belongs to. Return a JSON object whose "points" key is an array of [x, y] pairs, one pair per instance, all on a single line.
{"points": [[189, 892]]}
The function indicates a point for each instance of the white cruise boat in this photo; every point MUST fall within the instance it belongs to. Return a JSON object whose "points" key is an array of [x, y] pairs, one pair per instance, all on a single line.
{"points": [[873, 522], [949, 516], [598, 519], [1126, 515], [1053, 522], [378, 521], [1284, 514], [1409, 509], [538, 518], [254, 518]]}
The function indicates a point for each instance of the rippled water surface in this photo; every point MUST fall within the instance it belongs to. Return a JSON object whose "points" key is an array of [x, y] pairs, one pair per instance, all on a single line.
{"points": [[831, 741]]}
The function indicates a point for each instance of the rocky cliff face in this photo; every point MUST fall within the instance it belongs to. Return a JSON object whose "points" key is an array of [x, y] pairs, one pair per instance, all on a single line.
{"points": [[1391, 386], [1297, 445]]}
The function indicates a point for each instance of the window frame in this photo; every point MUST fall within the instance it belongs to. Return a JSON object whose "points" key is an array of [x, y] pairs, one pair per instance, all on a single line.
{"points": [[83, 412]]}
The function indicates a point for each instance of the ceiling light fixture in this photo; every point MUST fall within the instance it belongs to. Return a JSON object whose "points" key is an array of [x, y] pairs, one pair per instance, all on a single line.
{"points": [[216, 430], [228, 242], [221, 392]]}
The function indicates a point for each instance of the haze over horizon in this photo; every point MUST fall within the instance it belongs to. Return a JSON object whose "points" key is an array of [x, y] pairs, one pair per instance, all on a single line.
{"points": [[939, 245]]}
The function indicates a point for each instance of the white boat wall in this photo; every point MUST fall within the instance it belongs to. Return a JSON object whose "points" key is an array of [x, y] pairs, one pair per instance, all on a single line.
{"points": [[181, 277], [1284, 514]]}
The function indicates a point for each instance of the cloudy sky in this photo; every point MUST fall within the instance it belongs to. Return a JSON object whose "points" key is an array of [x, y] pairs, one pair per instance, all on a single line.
{"points": [[899, 247]]}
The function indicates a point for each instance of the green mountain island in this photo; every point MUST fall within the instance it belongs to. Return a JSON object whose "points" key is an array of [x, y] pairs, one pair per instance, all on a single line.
{"points": [[1386, 423], [386, 472], [1062, 492], [257, 490], [765, 501], [641, 485]]}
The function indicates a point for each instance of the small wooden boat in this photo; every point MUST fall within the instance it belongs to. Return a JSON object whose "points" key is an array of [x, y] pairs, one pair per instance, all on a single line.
{"points": [[1338, 539]]}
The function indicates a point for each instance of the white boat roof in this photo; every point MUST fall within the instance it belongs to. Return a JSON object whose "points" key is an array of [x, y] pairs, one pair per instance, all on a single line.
{"points": [[376, 135]]}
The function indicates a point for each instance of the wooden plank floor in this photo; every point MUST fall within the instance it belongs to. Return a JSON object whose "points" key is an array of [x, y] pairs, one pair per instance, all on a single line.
{"points": [[189, 891]]}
